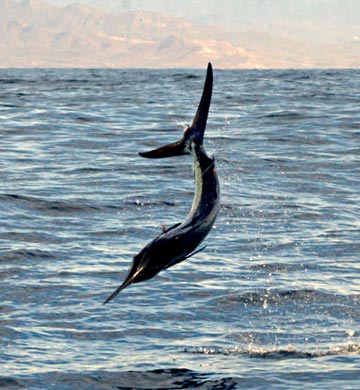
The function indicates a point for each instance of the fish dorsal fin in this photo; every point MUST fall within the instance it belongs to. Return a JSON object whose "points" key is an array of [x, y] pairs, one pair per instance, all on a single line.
{"points": [[171, 227]]}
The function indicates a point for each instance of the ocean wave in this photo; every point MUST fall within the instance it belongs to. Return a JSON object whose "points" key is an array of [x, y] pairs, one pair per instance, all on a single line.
{"points": [[76, 205], [21, 254], [281, 353], [55, 206], [284, 114], [278, 267], [276, 297]]}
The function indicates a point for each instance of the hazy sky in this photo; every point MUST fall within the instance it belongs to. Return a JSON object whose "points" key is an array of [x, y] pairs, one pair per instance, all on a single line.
{"points": [[321, 19], [263, 33]]}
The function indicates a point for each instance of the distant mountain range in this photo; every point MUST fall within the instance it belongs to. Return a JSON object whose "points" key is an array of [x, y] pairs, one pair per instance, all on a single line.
{"points": [[36, 34]]}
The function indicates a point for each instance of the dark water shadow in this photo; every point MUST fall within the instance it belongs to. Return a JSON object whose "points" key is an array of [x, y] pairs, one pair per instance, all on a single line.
{"points": [[160, 379]]}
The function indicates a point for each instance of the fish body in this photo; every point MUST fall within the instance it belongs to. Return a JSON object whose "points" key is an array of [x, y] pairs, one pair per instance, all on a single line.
{"points": [[180, 241]]}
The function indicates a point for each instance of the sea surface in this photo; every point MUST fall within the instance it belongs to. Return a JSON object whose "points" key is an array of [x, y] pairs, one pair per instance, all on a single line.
{"points": [[274, 300]]}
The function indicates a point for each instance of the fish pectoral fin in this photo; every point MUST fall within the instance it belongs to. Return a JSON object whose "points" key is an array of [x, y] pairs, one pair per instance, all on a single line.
{"points": [[179, 260], [195, 252]]}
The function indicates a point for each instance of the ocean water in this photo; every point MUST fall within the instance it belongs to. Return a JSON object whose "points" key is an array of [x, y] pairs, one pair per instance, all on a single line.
{"points": [[274, 300]]}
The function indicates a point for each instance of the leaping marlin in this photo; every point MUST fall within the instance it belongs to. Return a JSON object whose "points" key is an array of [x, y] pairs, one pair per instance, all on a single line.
{"points": [[180, 241]]}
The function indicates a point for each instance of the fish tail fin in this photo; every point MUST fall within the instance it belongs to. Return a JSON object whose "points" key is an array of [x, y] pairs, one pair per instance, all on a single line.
{"points": [[199, 123], [195, 132]]}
